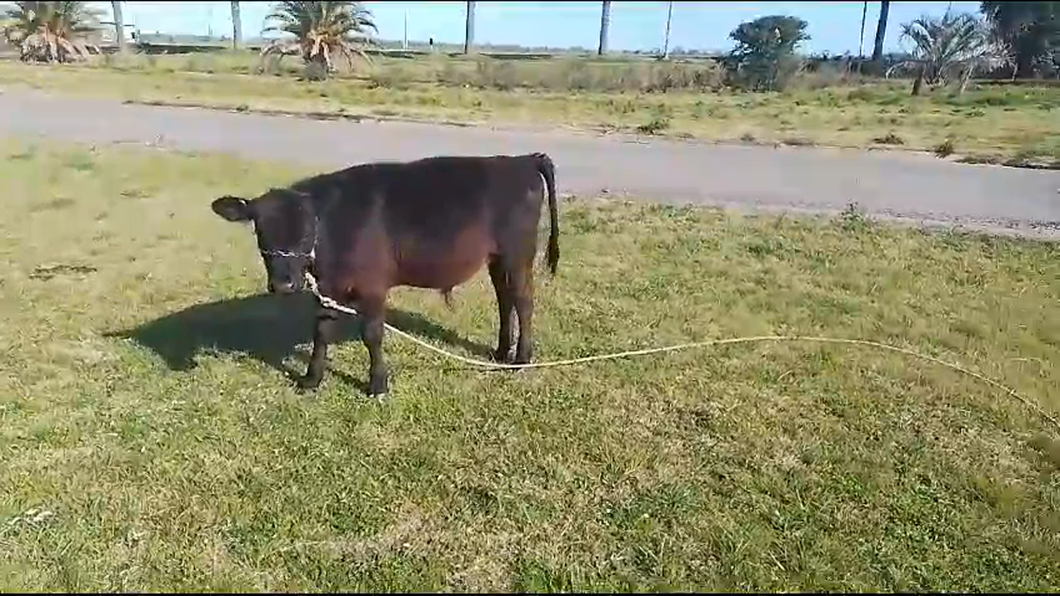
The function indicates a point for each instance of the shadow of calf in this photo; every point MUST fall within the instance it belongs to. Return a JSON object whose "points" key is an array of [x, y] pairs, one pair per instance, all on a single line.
{"points": [[266, 327]]}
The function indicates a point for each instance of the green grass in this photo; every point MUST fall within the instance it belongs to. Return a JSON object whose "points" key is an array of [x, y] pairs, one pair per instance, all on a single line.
{"points": [[143, 406], [1013, 124]]}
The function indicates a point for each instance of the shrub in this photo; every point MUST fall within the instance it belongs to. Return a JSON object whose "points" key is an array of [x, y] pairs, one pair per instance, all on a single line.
{"points": [[889, 139], [453, 76], [575, 75], [656, 125], [945, 148], [828, 75], [764, 58], [393, 77], [495, 74], [672, 76], [587, 75]]}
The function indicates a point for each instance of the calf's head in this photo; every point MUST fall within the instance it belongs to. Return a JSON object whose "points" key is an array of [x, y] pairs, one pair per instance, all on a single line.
{"points": [[286, 230]]}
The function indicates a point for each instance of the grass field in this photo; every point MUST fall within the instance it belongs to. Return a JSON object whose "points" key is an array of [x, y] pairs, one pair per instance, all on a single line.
{"points": [[150, 439], [1018, 125]]}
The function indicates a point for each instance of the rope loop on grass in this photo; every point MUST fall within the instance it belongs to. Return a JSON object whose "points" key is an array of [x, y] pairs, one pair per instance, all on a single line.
{"points": [[327, 302]]}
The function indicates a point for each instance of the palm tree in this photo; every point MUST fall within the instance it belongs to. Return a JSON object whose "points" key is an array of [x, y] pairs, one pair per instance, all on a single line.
{"points": [[469, 27], [666, 36], [51, 31], [1029, 30], [605, 23], [953, 45], [861, 43], [881, 31], [119, 25], [237, 26], [321, 30]]}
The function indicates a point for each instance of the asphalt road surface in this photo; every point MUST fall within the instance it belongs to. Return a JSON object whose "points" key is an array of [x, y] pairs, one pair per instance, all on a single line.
{"points": [[905, 186]]}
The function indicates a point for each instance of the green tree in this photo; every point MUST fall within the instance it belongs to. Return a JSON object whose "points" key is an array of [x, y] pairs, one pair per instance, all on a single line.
{"points": [[764, 57], [1029, 30], [946, 48], [51, 31], [321, 30]]}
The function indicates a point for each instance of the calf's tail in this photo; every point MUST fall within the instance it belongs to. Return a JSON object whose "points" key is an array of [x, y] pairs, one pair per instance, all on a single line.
{"points": [[547, 169]]}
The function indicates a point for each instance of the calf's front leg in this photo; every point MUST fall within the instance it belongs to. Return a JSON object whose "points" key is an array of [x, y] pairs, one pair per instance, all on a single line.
{"points": [[323, 334], [373, 313]]}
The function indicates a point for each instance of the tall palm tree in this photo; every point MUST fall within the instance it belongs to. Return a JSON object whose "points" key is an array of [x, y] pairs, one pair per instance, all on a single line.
{"points": [[948, 47], [321, 30], [605, 24], [881, 30], [237, 26], [666, 36], [119, 25], [51, 31], [469, 27], [861, 42]]}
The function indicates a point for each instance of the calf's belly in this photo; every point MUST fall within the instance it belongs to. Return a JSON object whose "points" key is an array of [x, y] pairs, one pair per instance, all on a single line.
{"points": [[445, 263], [441, 273]]}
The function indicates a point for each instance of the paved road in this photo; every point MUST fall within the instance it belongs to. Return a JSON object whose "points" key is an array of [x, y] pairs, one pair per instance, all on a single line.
{"points": [[906, 186]]}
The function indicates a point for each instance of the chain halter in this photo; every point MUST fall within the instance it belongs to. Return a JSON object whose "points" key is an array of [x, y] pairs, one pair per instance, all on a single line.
{"points": [[311, 255]]}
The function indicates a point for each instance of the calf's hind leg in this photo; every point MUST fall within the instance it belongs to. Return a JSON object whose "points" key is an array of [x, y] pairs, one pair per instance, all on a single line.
{"points": [[522, 292], [505, 304]]}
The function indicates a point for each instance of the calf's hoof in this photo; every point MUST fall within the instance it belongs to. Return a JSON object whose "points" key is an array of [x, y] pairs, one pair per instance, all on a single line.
{"points": [[516, 367], [504, 357], [378, 387], [307, 383], [523, 358]]}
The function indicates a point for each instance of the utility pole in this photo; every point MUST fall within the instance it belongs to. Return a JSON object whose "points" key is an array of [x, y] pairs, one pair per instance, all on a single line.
{"points": [[237, 26], [469, 28], [405, 39], [605, 22], [666, 40]]}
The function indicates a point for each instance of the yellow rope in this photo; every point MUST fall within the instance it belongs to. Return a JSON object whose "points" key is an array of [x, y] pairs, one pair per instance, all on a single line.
{"points": [[329, 303]]}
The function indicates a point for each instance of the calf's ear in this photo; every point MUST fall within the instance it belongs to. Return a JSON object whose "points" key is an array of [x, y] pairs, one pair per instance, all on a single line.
{"points": [[232, 208]]}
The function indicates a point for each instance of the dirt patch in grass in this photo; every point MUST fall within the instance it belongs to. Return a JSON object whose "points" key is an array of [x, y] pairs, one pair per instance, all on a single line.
{"points": [[151, 439]]}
